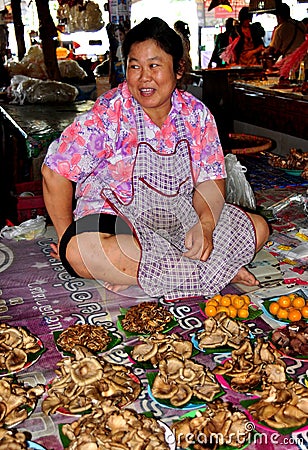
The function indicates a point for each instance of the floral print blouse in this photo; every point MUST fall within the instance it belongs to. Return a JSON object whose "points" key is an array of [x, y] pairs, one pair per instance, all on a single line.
{"points": [[99, 147]]}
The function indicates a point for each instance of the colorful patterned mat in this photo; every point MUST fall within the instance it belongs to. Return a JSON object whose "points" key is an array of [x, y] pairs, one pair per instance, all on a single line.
{"points": [[37, 292], [263, 176]]}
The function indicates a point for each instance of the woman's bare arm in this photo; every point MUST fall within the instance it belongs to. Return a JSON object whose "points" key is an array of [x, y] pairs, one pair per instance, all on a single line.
{"points": [[58, 198]]}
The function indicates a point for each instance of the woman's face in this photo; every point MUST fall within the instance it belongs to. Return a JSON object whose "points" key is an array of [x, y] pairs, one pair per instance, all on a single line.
{"points": [[119, 35], [151, 79]]}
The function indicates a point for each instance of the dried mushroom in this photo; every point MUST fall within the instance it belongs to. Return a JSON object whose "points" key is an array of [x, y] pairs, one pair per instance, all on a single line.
{"points": [[282, 405], [86, 371], [111, 428], [16, 359], [220, 424], [305, 172], [16, 400], [13, 439], [146, 318], [85, 380], [292, 339], [296, 159], [15, 345], [95, 338], [160, 346], [220, 331], [252, 365], [178, 380]]}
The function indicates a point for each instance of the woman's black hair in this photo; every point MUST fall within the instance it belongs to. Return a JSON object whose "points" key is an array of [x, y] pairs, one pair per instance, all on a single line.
{"points": [[244, 14], [158, 30]]}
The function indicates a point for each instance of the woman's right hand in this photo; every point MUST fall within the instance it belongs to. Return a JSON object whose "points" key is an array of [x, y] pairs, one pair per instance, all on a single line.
{"points": [[199, 241]]}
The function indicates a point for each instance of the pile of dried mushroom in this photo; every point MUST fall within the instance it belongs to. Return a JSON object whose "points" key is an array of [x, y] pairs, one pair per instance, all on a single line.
{"points": [[158, 347], [146, 318], [15, 345], [95, 338], [282, 405], [219, 424], [85, 380], [252, 365], [297, 159], [13, 439], [111, 428], [16, 400], [180, 379], [292, 339], [221, 331]]}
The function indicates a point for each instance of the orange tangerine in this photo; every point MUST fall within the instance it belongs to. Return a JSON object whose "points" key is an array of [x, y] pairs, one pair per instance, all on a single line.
{"points": [[232, 311], [246, 299], [282, 313], [284, 301], [273, 308], [294, 315], [210, 311], [292, 296], [304, 311], [298, 302], [216, 297], [242, 313], [212, 303], [223, 309], [225, 301], [237, 302]]}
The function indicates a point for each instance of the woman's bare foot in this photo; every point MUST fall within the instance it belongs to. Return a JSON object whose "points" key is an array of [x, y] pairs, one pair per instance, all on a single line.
{"points": [[245, 277], [115, 287]]}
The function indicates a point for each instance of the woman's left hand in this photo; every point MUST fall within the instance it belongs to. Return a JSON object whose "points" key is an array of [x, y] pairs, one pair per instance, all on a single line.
{"points": [[199, 242], [208, 201]]}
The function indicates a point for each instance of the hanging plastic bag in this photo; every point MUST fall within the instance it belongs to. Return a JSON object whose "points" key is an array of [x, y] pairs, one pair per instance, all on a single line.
{"points": [[238, 190]]}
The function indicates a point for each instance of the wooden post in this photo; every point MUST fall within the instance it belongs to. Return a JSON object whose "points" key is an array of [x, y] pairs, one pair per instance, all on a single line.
{"points": [[19, 28], [48, 35]]}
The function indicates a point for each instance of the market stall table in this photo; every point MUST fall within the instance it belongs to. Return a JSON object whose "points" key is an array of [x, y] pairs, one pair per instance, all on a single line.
{"points": [[217, 93], [25, 134], [264, 103], [39, 124]]}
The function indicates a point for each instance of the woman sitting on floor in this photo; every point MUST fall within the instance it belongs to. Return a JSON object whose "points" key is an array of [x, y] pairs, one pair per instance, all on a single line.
{"points": [[150, 184]]}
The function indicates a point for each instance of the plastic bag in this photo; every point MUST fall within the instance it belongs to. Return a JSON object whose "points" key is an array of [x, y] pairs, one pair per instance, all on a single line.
{"points": [[71, 69], [238, 190], [32, 64], [86, 18], [28, 230], [31, 90]]}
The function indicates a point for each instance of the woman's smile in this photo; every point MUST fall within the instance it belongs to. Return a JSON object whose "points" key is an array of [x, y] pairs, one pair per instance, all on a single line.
{"points": [[147, 91]]}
